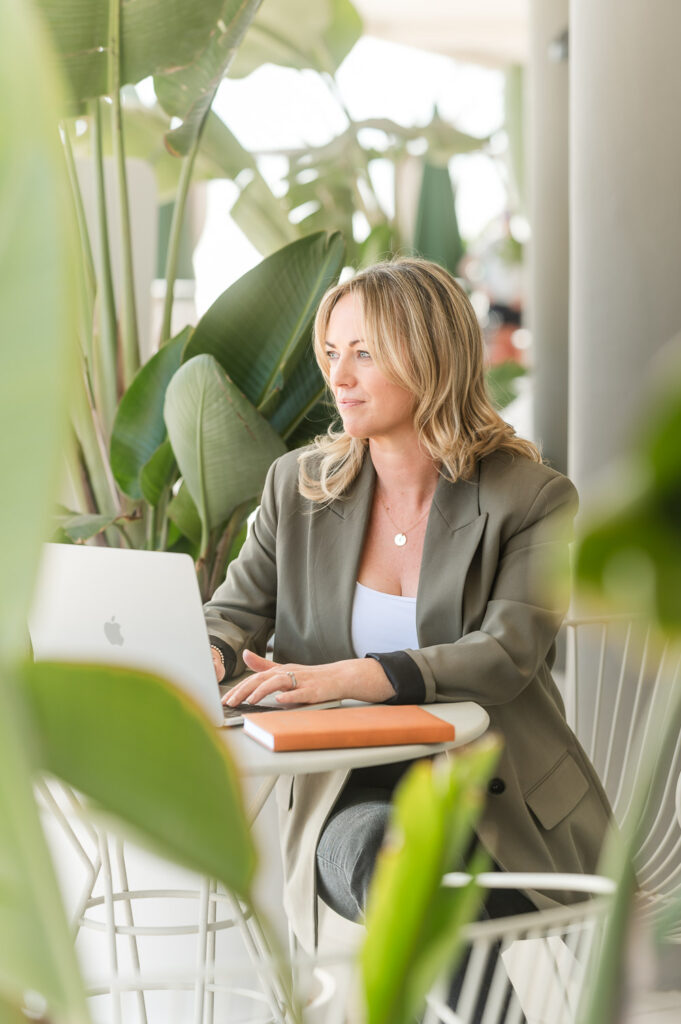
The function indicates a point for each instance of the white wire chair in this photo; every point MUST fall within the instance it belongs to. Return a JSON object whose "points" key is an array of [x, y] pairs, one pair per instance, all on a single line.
{"points": [[622, 697], [526, 968], [123, 987]]}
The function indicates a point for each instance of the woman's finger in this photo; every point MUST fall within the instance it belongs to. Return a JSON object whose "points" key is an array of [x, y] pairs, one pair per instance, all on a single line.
{"points": [[302, 695], [256, 687], [255, 662], [240, 692], [277, 682]]}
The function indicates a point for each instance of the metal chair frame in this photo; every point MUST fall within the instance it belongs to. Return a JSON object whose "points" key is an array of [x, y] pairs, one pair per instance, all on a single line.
{"points": [[102, 855], [631, 691], [566, 937]]}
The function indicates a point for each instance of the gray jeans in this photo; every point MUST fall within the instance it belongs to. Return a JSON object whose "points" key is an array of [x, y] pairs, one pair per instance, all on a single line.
{"points": [[348, 847], [346, 854]]}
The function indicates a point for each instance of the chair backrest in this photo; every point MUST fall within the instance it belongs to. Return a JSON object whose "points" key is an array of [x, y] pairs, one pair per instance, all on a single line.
{"points": [[526, 967], [623, 702]]}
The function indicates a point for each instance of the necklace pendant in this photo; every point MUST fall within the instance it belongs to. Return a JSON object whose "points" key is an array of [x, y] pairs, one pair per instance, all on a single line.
{"points": [[400, 539]]}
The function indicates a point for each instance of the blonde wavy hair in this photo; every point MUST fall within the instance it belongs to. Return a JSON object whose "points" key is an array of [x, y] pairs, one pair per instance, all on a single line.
{"points": [[423, 334]]}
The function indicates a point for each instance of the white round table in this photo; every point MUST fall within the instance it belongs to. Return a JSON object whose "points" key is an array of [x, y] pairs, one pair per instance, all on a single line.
{"points": [[255, 761]]}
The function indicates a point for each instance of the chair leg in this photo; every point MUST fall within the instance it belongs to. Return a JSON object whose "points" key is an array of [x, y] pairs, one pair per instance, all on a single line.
{"points": [[210, 952], [129, 920], [201, 951], [261, 963], [110, 917]]}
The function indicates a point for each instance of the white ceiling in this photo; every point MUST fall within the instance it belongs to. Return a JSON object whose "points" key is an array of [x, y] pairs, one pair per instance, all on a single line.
{"points": [[493, 32]]}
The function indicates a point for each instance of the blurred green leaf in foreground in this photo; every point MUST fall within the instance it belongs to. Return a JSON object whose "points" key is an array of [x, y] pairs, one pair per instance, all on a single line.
{"points": [[629, 556], [413, 924]]}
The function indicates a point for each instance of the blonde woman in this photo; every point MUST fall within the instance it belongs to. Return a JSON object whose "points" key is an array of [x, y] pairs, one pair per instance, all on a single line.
{"points": [[402, 558]]}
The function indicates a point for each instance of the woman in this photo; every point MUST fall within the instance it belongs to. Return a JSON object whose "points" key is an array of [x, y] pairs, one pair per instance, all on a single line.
{"points": [[403, 559]]}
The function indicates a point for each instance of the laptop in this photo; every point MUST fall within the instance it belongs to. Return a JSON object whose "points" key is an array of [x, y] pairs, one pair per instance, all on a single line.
{"points": [[136, 609]]}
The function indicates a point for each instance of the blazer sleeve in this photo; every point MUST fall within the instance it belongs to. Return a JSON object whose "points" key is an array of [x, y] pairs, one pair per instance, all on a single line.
{"points": [[241, 613], [491, 665]]}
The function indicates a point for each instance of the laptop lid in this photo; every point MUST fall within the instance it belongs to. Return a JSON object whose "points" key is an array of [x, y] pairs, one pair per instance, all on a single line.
{"points": [[137, 609]]}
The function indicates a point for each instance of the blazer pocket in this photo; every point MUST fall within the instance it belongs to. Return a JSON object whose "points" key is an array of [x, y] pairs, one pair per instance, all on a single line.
{"points": [[553, 797]]}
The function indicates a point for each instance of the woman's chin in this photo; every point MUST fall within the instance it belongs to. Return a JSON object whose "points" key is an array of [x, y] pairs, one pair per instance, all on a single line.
{"points": [[353, 426]]}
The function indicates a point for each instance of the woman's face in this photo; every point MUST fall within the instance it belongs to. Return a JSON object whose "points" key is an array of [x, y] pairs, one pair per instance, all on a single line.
{"points": [[370, 405]]}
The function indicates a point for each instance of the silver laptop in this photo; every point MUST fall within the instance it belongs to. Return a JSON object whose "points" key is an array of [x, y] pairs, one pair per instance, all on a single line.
{"points": [[138, 609]]}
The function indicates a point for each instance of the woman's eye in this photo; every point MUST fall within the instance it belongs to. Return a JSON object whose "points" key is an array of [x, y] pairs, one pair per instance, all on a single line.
{"points": [[331, 355], [363, 354]]}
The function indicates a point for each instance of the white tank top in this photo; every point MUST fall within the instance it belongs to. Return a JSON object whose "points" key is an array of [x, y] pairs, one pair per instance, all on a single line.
{"points": [[382, 622]]}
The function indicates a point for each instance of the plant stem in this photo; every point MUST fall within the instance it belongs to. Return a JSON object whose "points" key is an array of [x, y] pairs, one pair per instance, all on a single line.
{"points": [[80, 495], [87, 279], [234, 524], [130, 341], [152, 526], [94, 451], [88, 261], [105, 348], [176, 234]]}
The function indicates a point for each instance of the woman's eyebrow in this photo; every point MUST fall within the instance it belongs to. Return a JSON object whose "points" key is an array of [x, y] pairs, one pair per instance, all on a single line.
{"points": [[330, 344]]}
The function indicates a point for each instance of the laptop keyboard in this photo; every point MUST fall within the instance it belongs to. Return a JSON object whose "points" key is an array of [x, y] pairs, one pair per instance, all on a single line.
{"points": [[246, 709]]}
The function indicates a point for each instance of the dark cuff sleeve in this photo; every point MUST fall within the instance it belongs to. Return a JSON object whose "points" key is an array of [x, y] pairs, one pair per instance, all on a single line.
{"points": [[227, 653], [404, 675]]}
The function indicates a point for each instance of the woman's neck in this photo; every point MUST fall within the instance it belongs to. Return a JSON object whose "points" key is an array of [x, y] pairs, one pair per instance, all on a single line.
{"points": [[405, 472]]}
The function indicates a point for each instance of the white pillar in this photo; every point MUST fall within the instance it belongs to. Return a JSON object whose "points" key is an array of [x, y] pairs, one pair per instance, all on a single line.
{"points": [[625, 216], [548, 208]]}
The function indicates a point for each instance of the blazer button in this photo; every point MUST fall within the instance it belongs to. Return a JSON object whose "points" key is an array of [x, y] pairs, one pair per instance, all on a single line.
{"points": [[497, 786]]}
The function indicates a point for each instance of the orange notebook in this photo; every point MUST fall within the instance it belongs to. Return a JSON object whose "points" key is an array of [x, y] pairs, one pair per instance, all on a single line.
{"points": [[375, 725]]}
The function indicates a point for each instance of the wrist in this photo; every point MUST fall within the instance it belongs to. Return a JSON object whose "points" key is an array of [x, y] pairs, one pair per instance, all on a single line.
{"points": [[219, 662], [224, 654], [367, 681]]}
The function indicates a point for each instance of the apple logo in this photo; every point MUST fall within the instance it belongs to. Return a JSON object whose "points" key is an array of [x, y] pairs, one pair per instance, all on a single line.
{"points": [[113, 632]]}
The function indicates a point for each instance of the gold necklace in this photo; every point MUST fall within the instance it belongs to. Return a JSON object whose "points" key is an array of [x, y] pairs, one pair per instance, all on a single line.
{"points": [[400, 538]]}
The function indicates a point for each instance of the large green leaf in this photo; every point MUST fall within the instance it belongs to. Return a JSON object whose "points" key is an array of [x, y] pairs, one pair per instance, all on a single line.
{"points": [[77, 527], [298, 34], [259, 328], [156, 36], [188, 92], [143, 751], [11, 1013], [412, 921], [183, 513], [38, 257], [158, 473], [632, 558], [345, 28], [304, 390], [222, 444], [263, 217], [436, 235], [139, 428], [145, 128], [629, 551], [36, 945]]}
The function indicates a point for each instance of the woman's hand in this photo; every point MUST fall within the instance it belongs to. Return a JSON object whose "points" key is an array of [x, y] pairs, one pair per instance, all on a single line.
{"points": [[359, 678]]}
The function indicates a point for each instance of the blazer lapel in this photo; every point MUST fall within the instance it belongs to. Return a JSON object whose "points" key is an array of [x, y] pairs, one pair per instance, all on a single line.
{"points": [[455, 527], [337, 534], [336, 539]]}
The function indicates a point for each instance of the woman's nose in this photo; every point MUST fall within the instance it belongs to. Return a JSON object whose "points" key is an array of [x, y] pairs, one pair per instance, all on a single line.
{"points": [[342, 370]]}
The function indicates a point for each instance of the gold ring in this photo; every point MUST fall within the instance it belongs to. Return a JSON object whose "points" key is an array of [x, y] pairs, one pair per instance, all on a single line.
{"points": [[294, 681]]}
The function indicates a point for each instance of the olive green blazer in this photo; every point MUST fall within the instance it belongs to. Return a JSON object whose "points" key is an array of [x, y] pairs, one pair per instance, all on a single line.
{"points": [[486, 621]]}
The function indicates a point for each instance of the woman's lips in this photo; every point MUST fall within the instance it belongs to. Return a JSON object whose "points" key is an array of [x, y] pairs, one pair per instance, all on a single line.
{"points": [[347, 403]]}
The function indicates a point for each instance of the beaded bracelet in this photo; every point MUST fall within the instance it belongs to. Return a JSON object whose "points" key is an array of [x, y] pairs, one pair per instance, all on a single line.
{"points": [[219, 654]]}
